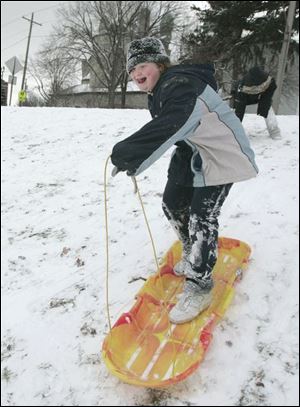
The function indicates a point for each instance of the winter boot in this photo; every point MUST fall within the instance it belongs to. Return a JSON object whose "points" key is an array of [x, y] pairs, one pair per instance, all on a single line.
{"points": [[193, 300], [272, 125], [182, 267]]}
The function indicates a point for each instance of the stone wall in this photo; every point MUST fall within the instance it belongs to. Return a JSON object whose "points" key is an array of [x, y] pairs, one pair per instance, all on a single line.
{"points": [[134, 100]]}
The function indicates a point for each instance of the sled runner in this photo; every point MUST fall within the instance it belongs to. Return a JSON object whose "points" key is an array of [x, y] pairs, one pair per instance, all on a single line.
{"points": [[143, 348]]}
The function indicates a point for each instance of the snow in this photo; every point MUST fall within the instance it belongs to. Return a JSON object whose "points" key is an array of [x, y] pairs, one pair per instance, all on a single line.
{"points": [[53, 264]]}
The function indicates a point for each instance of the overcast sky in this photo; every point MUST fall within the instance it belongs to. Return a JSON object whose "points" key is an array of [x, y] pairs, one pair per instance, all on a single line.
{"points": [[15, 29]]}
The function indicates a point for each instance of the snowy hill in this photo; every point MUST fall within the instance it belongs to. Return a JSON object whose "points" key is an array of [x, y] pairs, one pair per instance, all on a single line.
{"points": [[53, 265]]}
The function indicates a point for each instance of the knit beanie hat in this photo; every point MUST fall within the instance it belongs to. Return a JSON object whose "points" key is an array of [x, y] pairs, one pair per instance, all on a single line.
{"points": [[148, 49]]}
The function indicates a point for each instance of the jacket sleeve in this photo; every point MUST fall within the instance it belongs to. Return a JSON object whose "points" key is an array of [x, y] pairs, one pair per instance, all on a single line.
{"points": [[143, 148]]}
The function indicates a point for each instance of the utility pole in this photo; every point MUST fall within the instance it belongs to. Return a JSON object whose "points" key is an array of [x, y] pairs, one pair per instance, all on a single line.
{"points": [[27, 49], [284, 54], [12, 81]]}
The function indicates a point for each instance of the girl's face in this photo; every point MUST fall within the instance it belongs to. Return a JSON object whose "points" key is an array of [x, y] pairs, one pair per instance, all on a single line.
{"points": [[145, 75]]}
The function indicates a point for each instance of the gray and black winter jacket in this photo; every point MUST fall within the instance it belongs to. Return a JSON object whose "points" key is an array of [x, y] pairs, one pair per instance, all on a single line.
{"points": [[212, 147]]}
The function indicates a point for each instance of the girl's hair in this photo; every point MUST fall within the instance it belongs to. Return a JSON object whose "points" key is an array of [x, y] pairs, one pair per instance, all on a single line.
{"points": [[164, 66]]}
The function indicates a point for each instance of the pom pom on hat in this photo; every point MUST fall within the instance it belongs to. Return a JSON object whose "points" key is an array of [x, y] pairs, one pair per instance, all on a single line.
{"points": [[148, 49]]}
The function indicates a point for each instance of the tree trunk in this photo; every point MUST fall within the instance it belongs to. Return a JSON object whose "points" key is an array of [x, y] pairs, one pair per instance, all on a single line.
{"points": [[123, 97], [111, 98]]}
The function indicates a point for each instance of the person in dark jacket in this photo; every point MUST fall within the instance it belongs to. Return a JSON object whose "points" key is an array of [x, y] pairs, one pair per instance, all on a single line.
{"points": [[212, 152], [256, 87]]}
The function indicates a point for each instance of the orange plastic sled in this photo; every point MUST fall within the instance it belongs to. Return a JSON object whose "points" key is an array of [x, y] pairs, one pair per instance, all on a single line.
{"points": [[143, 348]]}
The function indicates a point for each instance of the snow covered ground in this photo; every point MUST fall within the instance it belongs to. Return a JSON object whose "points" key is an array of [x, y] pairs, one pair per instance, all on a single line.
{"points": [[53, 265]]}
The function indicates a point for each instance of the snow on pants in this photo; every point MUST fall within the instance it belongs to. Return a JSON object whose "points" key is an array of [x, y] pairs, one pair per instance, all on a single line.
{"points": [[193, 214]]}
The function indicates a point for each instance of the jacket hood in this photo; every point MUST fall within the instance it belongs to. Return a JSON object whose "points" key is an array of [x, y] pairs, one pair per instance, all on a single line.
{"points": [[255, 76], [204, 72]]}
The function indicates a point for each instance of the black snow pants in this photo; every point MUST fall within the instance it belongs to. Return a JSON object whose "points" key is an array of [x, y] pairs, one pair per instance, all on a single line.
{"points": [[193, 214]]}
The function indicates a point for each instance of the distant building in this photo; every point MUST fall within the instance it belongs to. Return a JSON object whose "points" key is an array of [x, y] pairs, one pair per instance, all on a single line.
{"points": [[4, 91]]}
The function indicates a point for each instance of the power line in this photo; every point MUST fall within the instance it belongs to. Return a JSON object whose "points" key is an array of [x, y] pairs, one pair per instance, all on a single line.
{"points": [[47, 8], [42, 36], [3, 49], [34, 11], [10, 22], [15, 35]]}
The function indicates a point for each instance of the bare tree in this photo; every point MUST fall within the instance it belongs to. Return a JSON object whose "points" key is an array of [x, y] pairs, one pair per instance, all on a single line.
{"points": [[52, 71], [98, 32]]}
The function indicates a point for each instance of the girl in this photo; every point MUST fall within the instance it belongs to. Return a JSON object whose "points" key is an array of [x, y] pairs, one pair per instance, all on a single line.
{"points": [[212, 152]]}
